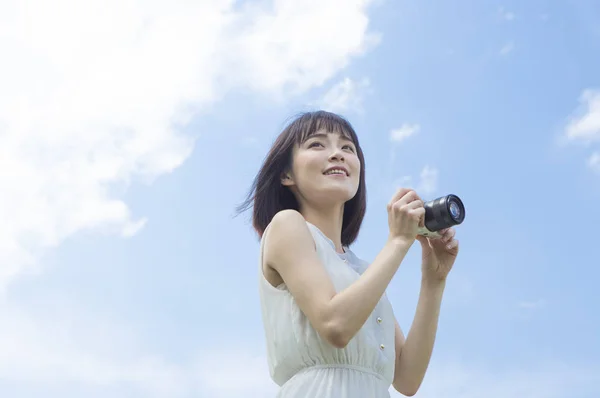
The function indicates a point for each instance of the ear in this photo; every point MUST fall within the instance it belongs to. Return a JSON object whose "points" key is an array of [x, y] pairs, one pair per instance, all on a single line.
{"points": [[286, 179]]}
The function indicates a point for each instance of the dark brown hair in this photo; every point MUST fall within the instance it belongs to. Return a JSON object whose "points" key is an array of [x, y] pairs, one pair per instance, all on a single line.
{"points": [[268, 196]]}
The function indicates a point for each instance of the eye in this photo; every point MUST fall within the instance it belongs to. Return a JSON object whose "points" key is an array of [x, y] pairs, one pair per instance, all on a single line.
{"points": [[350, 147], [314, 144]]}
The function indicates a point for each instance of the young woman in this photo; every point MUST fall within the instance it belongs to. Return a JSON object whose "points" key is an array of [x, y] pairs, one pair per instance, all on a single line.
{"points": [[330, 329]]}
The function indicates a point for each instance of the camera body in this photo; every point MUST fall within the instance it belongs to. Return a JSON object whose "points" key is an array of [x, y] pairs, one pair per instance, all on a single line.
{"points": [[441, 213]]}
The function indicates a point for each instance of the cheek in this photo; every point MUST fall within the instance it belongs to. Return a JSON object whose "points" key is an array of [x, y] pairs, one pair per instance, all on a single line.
{"points": [[306, 165], [302, 170], [355, 163]]}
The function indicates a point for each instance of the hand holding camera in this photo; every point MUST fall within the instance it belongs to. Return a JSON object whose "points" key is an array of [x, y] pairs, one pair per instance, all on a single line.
{"points": [[405, 215], [409, 216], [431, 223]]}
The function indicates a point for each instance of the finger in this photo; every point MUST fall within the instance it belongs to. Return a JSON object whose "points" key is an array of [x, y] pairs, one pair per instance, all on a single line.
{"points": [[424, 240], [409, 197], [452, 245], [415, 204], [449, 234], [399, 194], [418, 214], [396, 197], [408, 207]]}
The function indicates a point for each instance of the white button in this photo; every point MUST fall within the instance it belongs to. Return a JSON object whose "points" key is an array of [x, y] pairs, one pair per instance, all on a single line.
{"points": [[378, 320], [382, 346]]}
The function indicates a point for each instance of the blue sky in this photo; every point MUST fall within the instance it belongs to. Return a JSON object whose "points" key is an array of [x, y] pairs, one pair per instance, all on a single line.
{"points": [[124, 152]]}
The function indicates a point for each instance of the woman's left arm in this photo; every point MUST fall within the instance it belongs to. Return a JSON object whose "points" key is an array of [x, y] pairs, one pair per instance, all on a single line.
{"points": [[414, 352], [413, 355]]}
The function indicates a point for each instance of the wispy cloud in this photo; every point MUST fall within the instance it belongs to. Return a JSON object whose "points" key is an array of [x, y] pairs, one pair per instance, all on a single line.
{"points": [[594, 161], [584, 125], [428, 180], [403, 132], [77, 347], [531, 305], [233, 373], [425, 184], [345, 96], [507, 48], [505, 14], [71, 346], [82, 113]]}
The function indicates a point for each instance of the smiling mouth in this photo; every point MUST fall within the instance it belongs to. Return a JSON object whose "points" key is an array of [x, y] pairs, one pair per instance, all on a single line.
{"points": [[336, 171]]}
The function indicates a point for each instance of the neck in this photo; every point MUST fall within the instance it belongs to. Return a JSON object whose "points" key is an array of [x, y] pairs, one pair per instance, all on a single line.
{"points": [[329, 221]]}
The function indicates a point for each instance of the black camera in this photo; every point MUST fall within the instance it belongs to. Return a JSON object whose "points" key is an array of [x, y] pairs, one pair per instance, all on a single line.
{"points": [[441, 213]]}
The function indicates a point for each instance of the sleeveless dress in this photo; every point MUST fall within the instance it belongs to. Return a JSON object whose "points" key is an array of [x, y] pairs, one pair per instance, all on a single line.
{"points": [[305, 365]]}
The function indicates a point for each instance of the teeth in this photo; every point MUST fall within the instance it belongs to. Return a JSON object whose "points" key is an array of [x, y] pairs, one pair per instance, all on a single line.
{"points": [[335, 171]]}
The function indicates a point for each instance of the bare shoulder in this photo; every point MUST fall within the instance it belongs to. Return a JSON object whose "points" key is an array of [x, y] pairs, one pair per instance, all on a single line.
{"points": [[288, 235], [287, 219]]}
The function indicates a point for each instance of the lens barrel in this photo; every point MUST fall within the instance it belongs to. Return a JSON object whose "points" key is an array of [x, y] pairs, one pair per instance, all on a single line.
{"points": [[444, 212]]}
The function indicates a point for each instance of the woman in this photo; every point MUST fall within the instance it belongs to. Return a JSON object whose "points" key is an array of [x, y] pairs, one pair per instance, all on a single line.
{"points": [[330, 329]]}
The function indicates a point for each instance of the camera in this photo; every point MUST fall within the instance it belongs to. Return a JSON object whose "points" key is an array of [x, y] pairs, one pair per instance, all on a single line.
{"points": [[441, 213]]}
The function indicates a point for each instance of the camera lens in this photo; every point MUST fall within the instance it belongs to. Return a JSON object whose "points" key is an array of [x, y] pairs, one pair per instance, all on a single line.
{"points": [[454, 210], [444, 212]]}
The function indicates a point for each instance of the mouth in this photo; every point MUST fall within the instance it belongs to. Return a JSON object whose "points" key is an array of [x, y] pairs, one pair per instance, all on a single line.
{"points": [[337, 170]]}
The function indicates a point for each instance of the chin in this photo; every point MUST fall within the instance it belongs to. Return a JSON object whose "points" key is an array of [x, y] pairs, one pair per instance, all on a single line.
{"points": [[336, 194]]}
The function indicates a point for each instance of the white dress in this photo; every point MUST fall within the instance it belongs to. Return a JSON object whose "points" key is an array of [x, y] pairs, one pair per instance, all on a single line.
{"points": [[305, 365]]}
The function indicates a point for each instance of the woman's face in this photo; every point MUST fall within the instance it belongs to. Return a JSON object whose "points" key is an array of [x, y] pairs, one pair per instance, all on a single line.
{"points": [[325, 169]]}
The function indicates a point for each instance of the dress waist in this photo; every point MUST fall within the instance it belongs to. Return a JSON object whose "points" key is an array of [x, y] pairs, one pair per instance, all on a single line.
{"points": [[337, 366], [335, 381]]}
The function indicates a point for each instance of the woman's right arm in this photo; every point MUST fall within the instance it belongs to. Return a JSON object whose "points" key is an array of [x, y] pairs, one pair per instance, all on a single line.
{"points": [[337, 317]]}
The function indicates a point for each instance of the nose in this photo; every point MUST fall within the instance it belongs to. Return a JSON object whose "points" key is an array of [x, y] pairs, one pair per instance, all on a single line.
{"points": [[336, 154]]}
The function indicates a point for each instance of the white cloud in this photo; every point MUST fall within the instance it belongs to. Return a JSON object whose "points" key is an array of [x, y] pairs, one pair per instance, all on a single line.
{"points": [[428, 177], [425, 185], [403, 132], [63, 347], [93, 95], [532, 305], [505, 14], [428, 180], [594, 161], [346, 95], [585, 123], [507, 48], [277, 51], [69, 346], [235, 373]]}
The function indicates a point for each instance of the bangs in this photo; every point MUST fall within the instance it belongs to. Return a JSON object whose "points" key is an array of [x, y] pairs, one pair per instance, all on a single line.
{"points": [[311, 123]]}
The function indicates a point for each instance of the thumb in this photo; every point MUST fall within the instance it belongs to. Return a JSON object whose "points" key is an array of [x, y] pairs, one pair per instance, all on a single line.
{"points": [[423, 240]]}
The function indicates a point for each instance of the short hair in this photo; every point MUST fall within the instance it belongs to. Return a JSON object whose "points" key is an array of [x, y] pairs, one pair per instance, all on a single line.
{"points": [[268, 195]]}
